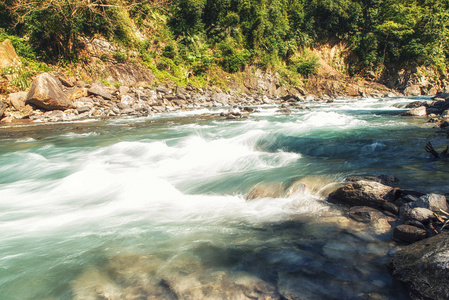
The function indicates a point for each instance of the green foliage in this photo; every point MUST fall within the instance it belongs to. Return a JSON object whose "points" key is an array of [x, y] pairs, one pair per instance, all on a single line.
{"points": [[170, 51], [185, 35], [232, 58], [119, 56], [23, 49], [306, 64], [21, 78], [54, 27]]}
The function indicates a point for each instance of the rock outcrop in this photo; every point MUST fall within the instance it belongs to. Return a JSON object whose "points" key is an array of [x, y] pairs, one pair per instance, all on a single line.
{"points": [[8, 56], [46, 92], [424, 267]]}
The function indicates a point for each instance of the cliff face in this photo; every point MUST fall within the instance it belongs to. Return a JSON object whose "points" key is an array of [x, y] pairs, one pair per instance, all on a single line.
{"points": [[415, 81]]}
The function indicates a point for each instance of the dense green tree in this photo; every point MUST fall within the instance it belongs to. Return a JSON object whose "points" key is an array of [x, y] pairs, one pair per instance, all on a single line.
{"points": [[263, 32]]}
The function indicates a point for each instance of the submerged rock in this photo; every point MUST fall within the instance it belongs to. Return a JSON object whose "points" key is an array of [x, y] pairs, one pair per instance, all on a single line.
{"points": [[424, 267], [267, 190], [365, 214], [316, 185]]}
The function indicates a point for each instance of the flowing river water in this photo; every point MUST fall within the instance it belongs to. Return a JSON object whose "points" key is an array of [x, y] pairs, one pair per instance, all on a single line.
{"points": [[154, 208]]}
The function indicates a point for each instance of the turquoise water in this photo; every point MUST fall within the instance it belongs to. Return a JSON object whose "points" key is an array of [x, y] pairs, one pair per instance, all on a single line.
{"points": [[154, 208]]}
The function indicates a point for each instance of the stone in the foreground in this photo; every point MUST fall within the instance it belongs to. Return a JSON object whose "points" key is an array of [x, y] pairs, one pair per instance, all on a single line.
{"points": [[424, 267], [46, 92]]}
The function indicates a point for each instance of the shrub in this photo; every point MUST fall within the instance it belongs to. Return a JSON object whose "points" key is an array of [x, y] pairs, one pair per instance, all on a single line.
{"points": [[162, 65], [20, 77], [119, 56], [233, 59], [169, 51], [307, 64]]}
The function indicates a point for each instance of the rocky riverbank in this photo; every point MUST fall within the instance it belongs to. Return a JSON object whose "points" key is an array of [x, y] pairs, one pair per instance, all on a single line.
{"points": [[415, 221], [415, 218], [52, 98]]}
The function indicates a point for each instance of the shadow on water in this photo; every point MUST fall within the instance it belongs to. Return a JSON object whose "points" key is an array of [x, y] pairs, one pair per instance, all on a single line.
{"points": [[296, 259]]}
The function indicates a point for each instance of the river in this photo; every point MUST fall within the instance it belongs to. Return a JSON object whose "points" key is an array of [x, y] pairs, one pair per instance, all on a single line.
{"points": [[154, 208]]}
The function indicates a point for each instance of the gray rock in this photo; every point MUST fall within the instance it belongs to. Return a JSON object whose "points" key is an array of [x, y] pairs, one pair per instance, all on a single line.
{"points": [[127, 100], [363, 193], [46, 92], [413, 90], [434, 202], [123, 90], [408, 233], [17, 100], [417, 112], [424, 267], [410, 211], [99, 90], [55, 116], [82, 109]]}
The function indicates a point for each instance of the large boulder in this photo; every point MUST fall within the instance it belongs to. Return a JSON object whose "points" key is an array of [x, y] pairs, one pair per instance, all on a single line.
{"points": [[364, 193], [8, 56], [424, 267], [46, 93]]}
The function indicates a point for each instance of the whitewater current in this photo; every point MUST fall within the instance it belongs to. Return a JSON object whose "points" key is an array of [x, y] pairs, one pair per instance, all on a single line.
{"points": [[156, 208]]}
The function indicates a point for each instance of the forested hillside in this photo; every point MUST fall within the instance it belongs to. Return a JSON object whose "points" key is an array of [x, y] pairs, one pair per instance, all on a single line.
{"points": [[176, 36]]}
